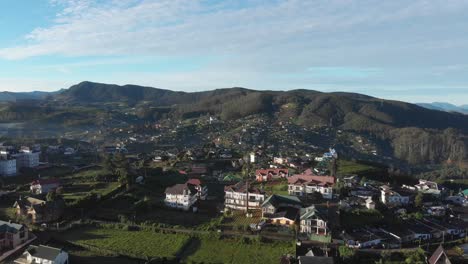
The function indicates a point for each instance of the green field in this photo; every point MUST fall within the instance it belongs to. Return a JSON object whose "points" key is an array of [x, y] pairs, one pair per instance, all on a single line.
{"points": [[212, 250], [139, 244], [346, 167]]}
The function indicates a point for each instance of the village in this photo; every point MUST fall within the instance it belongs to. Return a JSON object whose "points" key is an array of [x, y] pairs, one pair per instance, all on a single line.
{"points": [[67, 203]]}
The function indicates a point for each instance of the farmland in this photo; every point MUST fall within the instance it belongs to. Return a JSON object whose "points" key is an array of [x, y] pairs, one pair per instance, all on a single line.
{"points": [[235, 251], [139, 244]]}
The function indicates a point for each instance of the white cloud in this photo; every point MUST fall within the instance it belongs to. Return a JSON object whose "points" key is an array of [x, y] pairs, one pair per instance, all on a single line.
{"points": [[128, 27]]}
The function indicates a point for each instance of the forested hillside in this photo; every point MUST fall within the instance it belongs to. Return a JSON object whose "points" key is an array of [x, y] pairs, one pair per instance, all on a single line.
{"points": [[416, 134]]}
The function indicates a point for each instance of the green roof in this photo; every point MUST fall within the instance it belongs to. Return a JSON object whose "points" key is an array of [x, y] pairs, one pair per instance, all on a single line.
{"points": [[308, 212], [277, 199]]}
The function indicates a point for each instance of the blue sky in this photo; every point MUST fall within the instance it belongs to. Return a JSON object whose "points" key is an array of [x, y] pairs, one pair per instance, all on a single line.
{"points": [[413, 51]]}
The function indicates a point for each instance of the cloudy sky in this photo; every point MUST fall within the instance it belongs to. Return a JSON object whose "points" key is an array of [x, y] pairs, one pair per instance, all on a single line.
{"points": [[414, 51]]}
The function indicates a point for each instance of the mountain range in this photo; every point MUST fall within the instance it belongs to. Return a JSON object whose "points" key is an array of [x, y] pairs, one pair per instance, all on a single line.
{"points": [[415, 133], [442, 106], [13, 96]]}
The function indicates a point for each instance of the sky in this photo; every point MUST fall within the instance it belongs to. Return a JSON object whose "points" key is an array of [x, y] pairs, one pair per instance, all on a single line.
{"points": [[415, 51]]}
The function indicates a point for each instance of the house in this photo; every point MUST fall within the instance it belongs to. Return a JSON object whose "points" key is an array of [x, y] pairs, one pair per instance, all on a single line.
{"points": [[44, 255], [12, 235], [428, 187], [280, 161], [42, 186], [241, 196], [270, 174], [313, 225], [39, 211], [370, 204], [7, 166], [439, 257], [181, 196], [202, 189], [281, 209], [394, 197], [305, 184], [350, 181], [69, 151]]}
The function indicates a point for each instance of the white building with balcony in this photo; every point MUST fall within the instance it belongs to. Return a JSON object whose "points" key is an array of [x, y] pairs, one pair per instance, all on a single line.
{"points": [[241, 196], [181, 196]]}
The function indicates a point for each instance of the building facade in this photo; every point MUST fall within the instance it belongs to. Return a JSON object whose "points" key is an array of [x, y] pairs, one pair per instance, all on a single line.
{"points": [[181, 196], [8, 166], [241, 197]]}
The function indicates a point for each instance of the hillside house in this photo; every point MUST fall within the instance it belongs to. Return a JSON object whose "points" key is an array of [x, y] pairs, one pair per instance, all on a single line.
{"points": [[439, 257], [281, 209], [241, 196], [202, 189], [12, 235], [39, 211], [43, 186], [394, 197], [181, 196], [305, 184], [270, 174], [44, 255], [313, 225]]}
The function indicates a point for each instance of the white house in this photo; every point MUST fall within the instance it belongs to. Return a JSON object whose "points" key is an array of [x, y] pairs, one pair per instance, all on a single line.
{"points": [[391, 197], [241, 196], [313, 224], [7, 166], [305, 184], [181, 196], [44, 185], [43, 255]]}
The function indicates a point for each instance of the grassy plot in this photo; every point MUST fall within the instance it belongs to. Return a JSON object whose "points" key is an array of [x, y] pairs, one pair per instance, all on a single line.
{"points": [[346, 167], [206, 249], [240, 220], [139, 244]]}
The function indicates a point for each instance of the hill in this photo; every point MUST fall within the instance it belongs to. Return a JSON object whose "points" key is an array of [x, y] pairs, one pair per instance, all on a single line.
{"points": [[415, 134], [12, 96]]}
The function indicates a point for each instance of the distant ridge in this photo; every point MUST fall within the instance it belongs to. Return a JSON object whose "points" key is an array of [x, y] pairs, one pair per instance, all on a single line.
{"points": [[13, 96], [415, 133], [447, 107]]}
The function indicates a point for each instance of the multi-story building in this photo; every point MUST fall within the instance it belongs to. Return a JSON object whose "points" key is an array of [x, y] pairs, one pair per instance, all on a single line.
{"points": [[305, 184], [202, 189], [313, 225], [12, 235], [241, 196], [27, 158], [181, 196], [392, 197], [7, 165]]}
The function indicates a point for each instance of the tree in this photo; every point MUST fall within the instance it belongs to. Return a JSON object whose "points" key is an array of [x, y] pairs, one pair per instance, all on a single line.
{"points": [[346, 253], [51, 196], [122, 169], [418, 200], [333, 167]]}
